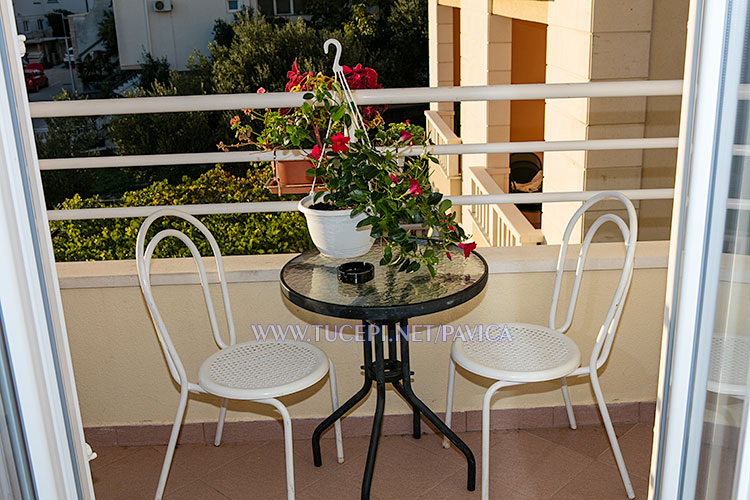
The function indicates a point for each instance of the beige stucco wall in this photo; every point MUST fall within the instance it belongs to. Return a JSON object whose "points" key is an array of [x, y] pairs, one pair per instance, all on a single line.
{"points": [[123, 379]]}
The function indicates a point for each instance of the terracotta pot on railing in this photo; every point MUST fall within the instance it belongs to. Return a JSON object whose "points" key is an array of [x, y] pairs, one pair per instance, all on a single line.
{"points": [[290, 177]]}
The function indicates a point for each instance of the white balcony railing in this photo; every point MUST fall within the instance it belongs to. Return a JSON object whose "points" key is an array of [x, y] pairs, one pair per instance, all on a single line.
{"points": [[497, 225], [100, 107], [447, 177]]}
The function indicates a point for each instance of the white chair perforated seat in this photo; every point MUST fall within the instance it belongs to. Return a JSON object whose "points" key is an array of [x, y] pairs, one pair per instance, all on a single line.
{"points": [[728, 367], [519, 352], [259, 370]]}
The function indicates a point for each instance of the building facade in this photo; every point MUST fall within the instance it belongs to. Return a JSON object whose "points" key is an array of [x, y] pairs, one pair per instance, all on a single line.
{"points": [[479, 42], [172, 29]]}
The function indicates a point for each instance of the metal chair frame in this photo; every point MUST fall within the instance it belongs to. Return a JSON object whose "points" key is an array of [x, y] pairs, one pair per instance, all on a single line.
{"points": [[602, 343], [177, 369]]}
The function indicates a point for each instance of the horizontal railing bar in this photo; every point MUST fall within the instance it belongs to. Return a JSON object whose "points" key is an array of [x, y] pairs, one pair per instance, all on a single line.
{"points": [[218, 102], [442, 149], [290, 206], [512, 198]]}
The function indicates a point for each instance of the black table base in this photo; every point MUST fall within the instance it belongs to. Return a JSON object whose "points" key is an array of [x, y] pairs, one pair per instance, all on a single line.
{"points": [[396, 372]]}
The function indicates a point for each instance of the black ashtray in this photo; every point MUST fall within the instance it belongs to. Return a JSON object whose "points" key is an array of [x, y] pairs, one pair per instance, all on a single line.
{"points": [[356, 272]]}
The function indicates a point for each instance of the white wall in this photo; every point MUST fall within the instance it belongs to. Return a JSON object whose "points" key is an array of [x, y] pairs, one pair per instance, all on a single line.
{"points": [[173, 34]]}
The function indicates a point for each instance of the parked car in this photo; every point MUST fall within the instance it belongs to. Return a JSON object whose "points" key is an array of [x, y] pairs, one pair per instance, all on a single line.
{"points": [[35, 65], [35, 80]]}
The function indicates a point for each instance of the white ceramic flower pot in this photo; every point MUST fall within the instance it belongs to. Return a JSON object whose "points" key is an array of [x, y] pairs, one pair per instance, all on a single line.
{"points": [[334, 232]]}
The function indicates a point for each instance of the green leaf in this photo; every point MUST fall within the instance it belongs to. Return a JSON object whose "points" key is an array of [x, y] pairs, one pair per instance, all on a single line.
{"points": [[445, 205]]}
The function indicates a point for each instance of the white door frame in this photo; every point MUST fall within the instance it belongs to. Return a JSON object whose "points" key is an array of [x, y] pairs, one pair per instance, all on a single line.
{"points": [[712, 74], [30, 303]]}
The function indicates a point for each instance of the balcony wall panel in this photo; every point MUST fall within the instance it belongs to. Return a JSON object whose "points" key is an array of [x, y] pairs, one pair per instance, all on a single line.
{"points": [[123, 380]]}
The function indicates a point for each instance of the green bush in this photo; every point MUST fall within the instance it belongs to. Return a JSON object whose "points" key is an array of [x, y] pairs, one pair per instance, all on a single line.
{"points": [[237, 234]]}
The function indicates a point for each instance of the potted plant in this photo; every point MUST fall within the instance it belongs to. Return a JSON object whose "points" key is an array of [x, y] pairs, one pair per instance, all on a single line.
{"points": [[374, 189], [296, 128], [367, 188]]}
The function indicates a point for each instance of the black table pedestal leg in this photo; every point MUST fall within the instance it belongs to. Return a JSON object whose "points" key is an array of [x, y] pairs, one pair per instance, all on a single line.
{"points": [[430, 415], [348, 405], [377, 421], [394, 332]]}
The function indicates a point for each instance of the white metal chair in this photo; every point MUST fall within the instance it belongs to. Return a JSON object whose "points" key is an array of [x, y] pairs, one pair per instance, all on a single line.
{"points": [[251, 371], [522, 353]]}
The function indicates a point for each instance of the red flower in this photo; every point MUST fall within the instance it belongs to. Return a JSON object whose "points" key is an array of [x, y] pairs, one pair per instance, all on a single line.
{"points": [[448, 254], [234, 121], [260, 90], [315, 153], [451, 228], [467, 248], [361, 78], [414, 188], [393, 178], [369, 113], [339, 143], [296, 79], [405, 136]]}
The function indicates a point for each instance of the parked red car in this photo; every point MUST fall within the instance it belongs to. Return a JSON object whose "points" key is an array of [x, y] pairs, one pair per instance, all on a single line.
{"points": [[35, 79]]}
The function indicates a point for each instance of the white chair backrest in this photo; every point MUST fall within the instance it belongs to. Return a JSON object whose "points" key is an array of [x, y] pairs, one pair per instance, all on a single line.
{"points": [[143, 256], [629, 233]]}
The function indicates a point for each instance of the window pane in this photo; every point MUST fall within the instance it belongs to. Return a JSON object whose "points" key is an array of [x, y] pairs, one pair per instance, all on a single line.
{"points": [[283, 7]]}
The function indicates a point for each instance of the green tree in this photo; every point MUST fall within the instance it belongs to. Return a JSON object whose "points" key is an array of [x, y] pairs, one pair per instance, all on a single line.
{"points": [[58, 23]]}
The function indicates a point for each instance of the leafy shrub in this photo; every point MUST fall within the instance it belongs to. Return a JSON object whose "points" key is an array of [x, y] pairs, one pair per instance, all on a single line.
{"points": [[237, 234]]}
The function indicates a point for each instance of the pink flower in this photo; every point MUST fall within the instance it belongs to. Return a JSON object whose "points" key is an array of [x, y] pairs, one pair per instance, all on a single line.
{"points": [[405, 136], [339, 143], [315, 153], [448, 254], [413, 188], [246, 111], [260, 90], [467, 248], [361, 78], [234, 121], [393, 178]]}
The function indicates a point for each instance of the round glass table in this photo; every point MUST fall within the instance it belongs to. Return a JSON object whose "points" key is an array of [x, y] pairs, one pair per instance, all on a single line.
{"points": [[385, 304]]}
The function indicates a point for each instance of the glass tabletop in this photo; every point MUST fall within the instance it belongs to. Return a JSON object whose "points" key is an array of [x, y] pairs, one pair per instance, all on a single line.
{"points": [[311, 281]]}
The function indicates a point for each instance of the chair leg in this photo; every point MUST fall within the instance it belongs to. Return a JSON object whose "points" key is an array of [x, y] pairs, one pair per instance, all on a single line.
{"points": [[172, 443], [449, 399], [288, 449], [568, 406], [334, 407], [611, 433], [486, 438], [220, 425]]}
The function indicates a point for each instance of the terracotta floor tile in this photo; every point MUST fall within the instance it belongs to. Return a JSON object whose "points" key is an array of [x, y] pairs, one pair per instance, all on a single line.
{"points": [[260, 474], [196, 490], [600, 482], [589, 440], [525, 466], [454, 488], [636, 449], [106, 455], [132, 477]]}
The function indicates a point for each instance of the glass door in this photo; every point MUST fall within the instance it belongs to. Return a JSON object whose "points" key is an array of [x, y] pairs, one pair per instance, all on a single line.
{"points": [[702, 443]]}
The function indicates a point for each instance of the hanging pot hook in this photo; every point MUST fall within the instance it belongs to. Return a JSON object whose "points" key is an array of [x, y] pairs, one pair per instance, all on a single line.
{"points": [[336, 60]]}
